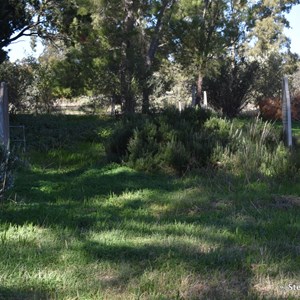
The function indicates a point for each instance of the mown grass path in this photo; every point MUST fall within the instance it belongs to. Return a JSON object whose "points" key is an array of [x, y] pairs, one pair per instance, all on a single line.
{"points": [[77, 227]]}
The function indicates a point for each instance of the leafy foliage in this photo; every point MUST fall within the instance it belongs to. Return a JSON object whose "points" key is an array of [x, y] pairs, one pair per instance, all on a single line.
{"points": [[170, 141], [254, 151], [174, 143], [18, 78], [271, 108], [13, 17], [228, 91], [268, 80], [31, 86]]}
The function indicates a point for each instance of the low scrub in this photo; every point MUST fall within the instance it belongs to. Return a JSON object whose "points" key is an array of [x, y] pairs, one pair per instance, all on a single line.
{"points": [[172, 143], [254, 151]]}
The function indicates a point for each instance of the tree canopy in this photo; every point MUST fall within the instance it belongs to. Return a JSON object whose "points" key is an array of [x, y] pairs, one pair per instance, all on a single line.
{"points": [[116, 48]]}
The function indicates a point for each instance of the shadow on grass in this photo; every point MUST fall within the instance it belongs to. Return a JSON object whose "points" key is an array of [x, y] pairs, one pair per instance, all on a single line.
{"points": [[243, 234], [18, 293], [224, 274], [75, 199]]}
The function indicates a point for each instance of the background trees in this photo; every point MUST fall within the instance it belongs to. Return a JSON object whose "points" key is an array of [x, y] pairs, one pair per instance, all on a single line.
{"points": [[213, 39], [42, 18], [116, 49]]}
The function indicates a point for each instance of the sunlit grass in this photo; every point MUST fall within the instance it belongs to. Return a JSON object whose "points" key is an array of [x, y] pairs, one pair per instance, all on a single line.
{"points": [[76, 227]]}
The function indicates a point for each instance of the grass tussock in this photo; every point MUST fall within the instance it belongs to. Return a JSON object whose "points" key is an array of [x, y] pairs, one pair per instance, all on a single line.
{"points": [[76, 226]]}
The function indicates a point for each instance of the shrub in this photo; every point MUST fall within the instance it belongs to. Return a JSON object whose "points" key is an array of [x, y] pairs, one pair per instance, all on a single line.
{"points": [[170, 141], [176, 156], [116, 147], [144, 146], [18, 77], [228, 91], [173, 143], [253, 151], [270, 108]]}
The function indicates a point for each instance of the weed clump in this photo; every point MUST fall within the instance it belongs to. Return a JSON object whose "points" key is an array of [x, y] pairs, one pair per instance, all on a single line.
{"points": [[254, 151]]}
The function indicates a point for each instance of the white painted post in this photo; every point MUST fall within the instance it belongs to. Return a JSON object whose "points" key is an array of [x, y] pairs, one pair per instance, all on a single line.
{"points": [[4, 119], [205, 99], [286, 113], [179, 106]]}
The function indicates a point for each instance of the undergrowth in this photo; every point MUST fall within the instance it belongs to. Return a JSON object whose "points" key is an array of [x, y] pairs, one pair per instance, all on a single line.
{"points": [[175, 144]]}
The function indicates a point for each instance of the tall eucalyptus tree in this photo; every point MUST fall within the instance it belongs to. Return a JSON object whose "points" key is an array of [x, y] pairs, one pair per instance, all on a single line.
{"points": [[206, 31]]}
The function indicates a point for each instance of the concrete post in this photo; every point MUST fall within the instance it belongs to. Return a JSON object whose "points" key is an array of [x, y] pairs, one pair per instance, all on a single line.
{"points": [[286, 113], [205, 99]]}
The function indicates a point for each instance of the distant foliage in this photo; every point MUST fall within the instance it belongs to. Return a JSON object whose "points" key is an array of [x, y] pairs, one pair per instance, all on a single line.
{"points": [[31, 86], [18, 78], [271, 108], [228, 92]]}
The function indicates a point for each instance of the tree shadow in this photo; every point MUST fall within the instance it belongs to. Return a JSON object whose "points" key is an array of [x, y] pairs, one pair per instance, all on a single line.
{"points": [[11, 293], [75, 199], [234, 275]]}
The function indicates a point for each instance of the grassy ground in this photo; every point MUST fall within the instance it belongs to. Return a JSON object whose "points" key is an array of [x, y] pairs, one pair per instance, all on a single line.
{"points": [[76, 227]]}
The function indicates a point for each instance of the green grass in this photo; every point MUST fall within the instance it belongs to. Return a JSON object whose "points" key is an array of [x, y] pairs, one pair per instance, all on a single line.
{"points": [[77, 227]]}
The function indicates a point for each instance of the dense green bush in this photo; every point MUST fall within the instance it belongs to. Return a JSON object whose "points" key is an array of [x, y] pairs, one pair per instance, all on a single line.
{"points": [[229, 91], [176, 143], [171, 141], [18, 77], [116, 147], [30, 86]]}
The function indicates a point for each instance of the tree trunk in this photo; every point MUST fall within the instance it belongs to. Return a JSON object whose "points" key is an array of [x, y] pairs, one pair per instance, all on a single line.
{"points": [[146, 100], [162, 18], [113, 105], [199, 90], [126, 64]]}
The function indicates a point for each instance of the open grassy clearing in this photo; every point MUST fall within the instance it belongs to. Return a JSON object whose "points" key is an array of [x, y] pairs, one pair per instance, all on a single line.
{"points": [[77, 227]]}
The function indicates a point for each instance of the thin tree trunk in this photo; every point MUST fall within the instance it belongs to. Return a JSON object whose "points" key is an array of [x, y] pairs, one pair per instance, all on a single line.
{"points": [[151, 52], [146, 100], [199, 89], [126, 65]]}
